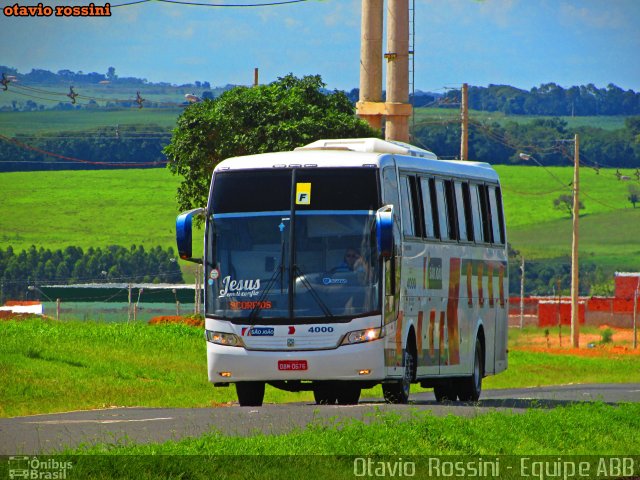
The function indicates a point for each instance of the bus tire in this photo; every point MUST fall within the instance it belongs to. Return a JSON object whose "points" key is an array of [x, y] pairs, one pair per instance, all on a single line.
{"points": [[398, 392], [348, 394], [445, 392], [325, 393], [469, 388], [250, 394]]}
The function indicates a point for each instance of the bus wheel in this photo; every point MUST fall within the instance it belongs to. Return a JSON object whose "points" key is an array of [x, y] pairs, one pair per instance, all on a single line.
{"points": [[348, 394], [250, 394], [398, 392], [445, 392], [325, 393], [469, 388]]}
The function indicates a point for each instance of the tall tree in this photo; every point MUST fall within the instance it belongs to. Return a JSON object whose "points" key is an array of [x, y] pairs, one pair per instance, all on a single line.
{"points": [[287, 113]]}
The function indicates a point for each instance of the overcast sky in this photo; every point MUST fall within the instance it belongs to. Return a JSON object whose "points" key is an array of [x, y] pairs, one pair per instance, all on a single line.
{"points": [[517, 42]]}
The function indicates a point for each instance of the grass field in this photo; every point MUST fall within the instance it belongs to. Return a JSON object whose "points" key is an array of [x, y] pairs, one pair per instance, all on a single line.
{"points": [[55, 121], [88, 208], [125, 207], [452, 115], [48, 366], [29, 123]]}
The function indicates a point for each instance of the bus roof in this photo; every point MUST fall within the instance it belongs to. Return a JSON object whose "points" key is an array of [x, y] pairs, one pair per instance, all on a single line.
{"points": [[369, 153]]}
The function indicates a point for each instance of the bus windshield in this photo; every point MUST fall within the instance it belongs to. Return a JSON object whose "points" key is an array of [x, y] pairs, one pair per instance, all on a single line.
{"points": [[312, 261]]}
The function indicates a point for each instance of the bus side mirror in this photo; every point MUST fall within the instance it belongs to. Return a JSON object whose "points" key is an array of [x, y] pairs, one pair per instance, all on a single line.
{"points": [[384, 231], [183, 235]]}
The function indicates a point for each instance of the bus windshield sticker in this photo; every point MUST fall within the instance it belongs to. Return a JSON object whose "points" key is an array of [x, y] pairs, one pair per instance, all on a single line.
{"points": [[258, 332], [303, 194], [239, 288]]}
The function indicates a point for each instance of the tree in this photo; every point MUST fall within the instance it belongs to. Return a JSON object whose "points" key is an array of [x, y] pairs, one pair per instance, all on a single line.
{"points": [[634, 195], [280, 116], [566, 202]]}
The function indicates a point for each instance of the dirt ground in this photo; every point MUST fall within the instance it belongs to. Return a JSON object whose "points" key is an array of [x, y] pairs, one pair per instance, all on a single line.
{"points": [[592, 341]]}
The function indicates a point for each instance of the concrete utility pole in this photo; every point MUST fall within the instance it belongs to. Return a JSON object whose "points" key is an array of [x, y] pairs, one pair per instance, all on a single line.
{"points": [[575, 321], [464, 114], [398, 108], [370, 107]]}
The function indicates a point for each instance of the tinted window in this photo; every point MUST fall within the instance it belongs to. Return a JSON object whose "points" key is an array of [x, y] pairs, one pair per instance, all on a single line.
{"points": [[429, 207], [319, 189], [475, 210], [339, 188], [443, 218], [450, 199], [251, 191], [468, 214], [407, 213]]}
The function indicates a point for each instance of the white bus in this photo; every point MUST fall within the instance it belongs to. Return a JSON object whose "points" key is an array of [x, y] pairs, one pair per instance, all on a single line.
{"points": [[350, 263]]}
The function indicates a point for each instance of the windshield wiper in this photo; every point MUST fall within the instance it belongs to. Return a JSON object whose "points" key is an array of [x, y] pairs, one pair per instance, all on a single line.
{"points": [[279, 270], [312, 291]]}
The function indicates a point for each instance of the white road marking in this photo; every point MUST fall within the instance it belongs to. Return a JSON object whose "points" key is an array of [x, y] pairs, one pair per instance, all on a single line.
{"points": [[62, 422]]}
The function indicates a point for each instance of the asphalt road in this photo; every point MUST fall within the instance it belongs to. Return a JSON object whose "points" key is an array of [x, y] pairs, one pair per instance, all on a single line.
{"points": [[42, 434]]}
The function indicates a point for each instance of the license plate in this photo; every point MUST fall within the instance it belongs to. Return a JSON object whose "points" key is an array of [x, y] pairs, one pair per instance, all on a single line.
{"points": [[292, 365]]}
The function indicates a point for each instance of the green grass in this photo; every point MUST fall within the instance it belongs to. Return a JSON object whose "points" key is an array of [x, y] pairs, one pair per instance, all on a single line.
{"points": [[452, 115], [571, 433], [89, 208], [594, 428], [49, 121], [48, 366]]}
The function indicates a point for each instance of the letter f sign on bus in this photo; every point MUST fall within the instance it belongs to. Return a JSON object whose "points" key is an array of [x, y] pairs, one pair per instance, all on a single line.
{"points": [[303, 194]]}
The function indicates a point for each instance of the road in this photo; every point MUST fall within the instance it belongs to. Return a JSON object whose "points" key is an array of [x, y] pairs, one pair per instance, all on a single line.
{"points": [[42, 434]]}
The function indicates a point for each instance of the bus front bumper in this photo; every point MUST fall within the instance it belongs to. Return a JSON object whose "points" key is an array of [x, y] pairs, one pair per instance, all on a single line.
{"points": [[363, 362]]}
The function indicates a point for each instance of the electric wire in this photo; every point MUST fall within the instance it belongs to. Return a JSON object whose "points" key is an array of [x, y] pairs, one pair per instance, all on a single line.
{"points": [[79, 160]]}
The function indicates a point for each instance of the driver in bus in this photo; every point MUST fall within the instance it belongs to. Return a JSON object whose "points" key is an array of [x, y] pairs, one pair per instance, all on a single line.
{"points": [[352, 262]]}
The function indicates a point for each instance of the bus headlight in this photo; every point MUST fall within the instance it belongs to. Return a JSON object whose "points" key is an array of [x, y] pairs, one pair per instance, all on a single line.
{"points": [[222, 338], [361, 336]]}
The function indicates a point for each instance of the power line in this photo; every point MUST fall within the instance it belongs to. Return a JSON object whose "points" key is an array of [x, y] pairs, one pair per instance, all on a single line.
{"points": [[73, 159], [216, 5]]}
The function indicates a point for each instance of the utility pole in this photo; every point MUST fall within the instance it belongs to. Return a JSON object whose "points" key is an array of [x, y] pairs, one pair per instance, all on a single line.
{"points": [[464, 114], [397, 107], [575, 322], [521, 293], [635, 314], [370, 106]]}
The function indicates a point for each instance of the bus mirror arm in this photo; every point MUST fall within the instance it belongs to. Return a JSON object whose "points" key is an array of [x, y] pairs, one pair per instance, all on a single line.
{"points": [[384, 231], [183, 234]]}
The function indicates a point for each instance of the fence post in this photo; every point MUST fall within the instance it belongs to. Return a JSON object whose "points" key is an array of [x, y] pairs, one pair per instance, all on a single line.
{"points": [[57, 309]]}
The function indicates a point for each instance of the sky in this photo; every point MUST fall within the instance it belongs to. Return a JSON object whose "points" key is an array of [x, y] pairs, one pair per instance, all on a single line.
{"points": [[523, 43]]}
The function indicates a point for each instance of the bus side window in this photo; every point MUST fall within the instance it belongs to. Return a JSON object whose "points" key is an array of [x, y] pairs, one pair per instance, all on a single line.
{"points": [[407, 213], [443, 217], [485, 212], [390, 188], [450, 198], [429, 208], [416, 207], [468, 212], [463, 203], [496, 215], [478, 227]]}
